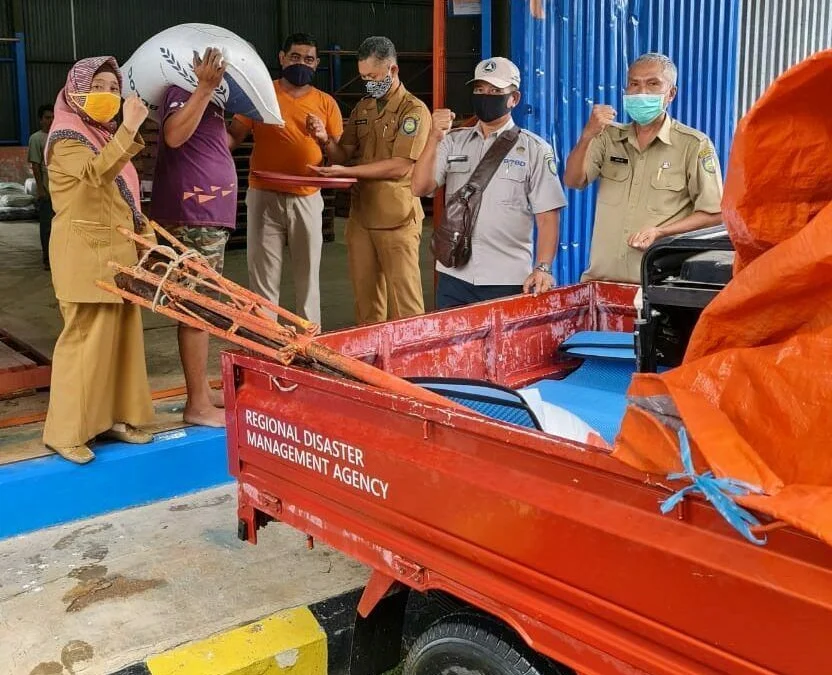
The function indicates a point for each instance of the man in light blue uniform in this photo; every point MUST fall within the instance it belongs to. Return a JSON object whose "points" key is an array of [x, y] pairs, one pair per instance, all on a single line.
{"points": [[524, 189]]}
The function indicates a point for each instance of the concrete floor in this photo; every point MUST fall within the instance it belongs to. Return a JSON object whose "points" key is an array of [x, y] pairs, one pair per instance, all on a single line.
{"points": [[94, 596], [29, 311]]}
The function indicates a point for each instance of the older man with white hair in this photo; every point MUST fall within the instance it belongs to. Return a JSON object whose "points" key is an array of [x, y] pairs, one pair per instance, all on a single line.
{"points": [[657, 177]]}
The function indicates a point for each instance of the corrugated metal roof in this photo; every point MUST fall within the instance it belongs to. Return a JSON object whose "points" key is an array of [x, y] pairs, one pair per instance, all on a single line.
{"points": [[775, 35], [578, 56]]}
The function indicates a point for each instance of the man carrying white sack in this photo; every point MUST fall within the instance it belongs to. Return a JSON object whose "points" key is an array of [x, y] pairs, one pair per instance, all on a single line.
{"points": [[195, 199]]}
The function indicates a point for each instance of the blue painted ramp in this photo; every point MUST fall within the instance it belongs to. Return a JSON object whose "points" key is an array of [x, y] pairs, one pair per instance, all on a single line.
{"points": [[50, 490]]}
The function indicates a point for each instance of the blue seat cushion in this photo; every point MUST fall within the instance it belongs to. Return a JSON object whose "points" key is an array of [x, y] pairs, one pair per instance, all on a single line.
{"points": [[600, 344]]}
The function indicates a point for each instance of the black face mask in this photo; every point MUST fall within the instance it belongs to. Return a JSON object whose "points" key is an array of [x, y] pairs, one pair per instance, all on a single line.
{"points": [[488, 108], [299, 75]]}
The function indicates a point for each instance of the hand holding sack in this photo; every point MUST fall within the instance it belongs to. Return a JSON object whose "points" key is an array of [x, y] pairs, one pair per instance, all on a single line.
{"points": [[244, 86]]}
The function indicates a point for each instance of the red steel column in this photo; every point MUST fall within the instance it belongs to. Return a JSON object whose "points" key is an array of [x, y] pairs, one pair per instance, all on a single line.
{"points": [[440, 13]]}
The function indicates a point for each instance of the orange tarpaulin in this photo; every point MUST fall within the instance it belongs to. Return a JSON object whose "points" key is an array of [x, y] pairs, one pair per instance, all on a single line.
{"points": [[755, 390]]}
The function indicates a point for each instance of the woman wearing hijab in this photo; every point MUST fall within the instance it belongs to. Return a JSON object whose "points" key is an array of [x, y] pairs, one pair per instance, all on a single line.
{"points": [[99, 377]]}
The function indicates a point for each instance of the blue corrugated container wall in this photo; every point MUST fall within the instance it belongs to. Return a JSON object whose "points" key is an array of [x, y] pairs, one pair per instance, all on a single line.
{"points": [[577, 54]]}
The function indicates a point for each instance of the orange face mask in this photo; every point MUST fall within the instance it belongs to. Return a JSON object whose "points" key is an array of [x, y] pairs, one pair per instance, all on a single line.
{"points": [[102, 106]]}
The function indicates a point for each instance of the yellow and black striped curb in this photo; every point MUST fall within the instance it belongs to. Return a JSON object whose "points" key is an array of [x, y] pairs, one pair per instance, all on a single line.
{"points": [[311, 640]]}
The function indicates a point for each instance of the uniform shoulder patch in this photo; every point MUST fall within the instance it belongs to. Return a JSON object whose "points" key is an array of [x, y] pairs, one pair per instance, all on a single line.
{"points": [[549, 158], [410, 125], [707, 160]]}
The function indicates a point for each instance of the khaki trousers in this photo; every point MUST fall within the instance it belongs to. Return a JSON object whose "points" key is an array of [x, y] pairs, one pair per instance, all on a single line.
{"points": [[99, 375], [384, 270], [277, 220]]}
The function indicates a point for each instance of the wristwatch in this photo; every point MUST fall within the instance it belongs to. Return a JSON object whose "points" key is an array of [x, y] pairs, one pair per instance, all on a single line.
{"points": [[544, 267]]}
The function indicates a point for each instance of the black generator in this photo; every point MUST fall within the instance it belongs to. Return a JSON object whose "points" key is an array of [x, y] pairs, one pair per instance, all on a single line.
{"points": [[680, 275]]}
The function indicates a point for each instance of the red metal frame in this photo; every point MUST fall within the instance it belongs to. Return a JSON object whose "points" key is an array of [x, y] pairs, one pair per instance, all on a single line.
{"points": [[558, 539], [440, 18], [35, 374], [439, 52]]}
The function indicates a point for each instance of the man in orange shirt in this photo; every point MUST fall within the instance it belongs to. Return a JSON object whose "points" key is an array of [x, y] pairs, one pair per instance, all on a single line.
{"points": [[292, 216]]}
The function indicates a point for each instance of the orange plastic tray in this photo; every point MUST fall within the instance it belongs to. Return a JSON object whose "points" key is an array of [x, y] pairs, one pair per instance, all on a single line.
{"points": [[285, 179]]}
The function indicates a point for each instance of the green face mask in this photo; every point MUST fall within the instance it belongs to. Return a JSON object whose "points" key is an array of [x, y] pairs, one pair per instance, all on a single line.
{"points": [[643, 108]]}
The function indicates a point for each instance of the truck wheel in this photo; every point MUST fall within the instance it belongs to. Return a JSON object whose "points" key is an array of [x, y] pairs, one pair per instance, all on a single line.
{"points": [[470, 645]]}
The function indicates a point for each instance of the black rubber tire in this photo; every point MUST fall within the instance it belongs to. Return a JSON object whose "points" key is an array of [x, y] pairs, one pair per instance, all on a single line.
{"points": [[471, 645]]}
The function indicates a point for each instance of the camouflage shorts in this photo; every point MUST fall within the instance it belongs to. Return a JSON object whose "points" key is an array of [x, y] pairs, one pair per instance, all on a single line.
{"points": [[209, 242]]}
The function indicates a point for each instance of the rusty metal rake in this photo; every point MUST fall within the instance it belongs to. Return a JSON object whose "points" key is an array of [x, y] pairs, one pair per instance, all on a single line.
{"points": [[178, 282]]}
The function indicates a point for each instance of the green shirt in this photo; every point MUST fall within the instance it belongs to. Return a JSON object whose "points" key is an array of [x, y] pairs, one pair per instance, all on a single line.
{"points": [[37, 149]]}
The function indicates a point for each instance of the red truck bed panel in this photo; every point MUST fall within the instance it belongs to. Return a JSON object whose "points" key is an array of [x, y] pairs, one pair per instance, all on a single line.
{"points": [[561, 541]]}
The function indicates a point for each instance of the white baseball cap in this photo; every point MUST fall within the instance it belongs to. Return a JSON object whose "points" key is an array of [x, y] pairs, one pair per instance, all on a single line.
{"points": [[497, 71]]}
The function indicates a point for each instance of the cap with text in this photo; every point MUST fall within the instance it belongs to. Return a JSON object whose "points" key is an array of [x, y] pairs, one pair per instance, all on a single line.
{"points": [[498, 71]]}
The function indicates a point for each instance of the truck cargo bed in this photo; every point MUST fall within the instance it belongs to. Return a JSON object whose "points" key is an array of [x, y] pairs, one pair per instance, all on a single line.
{"points": [[558, 539]]}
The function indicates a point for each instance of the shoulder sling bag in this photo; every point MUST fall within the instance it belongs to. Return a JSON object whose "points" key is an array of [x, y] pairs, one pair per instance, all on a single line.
{"points": [[451, 240]]}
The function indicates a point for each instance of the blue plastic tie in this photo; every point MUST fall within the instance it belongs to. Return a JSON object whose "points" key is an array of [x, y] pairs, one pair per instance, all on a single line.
{"points": [[718, 491]]}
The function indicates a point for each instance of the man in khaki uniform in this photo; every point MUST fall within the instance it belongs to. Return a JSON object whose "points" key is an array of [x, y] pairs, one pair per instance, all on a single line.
{"points": [[383, 137], [657, 177]]}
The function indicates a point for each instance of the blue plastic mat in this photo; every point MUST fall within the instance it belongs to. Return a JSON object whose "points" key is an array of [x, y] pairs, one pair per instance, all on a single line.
{"points": [[485, 398], [601, 344], [498, 411], [595, 392]]}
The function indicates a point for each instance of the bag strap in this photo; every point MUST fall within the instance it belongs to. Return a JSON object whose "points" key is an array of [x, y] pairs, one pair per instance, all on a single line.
{"points": [[490, 162]]}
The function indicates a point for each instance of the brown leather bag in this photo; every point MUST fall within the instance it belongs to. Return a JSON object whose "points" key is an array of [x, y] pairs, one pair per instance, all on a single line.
{"points": [[451, 240]]}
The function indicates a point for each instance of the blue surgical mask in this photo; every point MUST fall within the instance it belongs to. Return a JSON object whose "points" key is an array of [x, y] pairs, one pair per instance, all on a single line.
{"points": [[643, 108], [379, 89]]}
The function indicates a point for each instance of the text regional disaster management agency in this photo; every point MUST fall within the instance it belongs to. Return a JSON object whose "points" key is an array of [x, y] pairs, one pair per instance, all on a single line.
{"points": [[319, 453]]}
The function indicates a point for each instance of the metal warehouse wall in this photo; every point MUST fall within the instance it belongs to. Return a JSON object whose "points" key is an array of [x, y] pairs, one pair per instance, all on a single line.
{"points": [[347, 22], [59, 32], [577, 56], [8, 126], [6, 29], [775, 35], [409, 23]]}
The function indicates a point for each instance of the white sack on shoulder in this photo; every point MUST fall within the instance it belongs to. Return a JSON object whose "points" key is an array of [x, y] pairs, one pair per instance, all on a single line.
{"points": [[167, 59]]}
